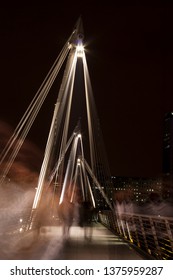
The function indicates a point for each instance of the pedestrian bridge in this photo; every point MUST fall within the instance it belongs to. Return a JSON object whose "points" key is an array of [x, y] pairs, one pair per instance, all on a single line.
{"points": [[74, 164], [133, 237]]}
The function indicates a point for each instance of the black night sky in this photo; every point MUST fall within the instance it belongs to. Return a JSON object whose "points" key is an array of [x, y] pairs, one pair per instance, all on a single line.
{"points": [[129, 49]]}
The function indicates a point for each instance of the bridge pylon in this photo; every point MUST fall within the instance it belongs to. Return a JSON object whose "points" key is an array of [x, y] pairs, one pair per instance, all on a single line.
{"points": [[74, 158]]}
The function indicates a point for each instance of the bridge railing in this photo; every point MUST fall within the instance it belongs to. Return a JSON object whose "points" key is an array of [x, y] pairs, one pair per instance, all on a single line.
{"points": [[151, 234]]}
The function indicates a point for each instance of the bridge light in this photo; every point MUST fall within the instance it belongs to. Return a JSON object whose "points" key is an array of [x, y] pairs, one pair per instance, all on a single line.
{"points": [[78, 161], [80, 50], [79, 135]]}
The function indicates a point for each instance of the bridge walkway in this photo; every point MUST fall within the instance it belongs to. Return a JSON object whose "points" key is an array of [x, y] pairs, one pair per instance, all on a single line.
{"points": [[51, 245]]}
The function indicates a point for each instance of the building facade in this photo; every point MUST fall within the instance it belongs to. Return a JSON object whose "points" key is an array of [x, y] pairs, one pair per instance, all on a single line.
{"points": [[137, 189]]}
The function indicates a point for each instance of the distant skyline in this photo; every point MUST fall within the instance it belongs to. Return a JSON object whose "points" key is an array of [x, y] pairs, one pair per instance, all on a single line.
{"points": [[129, 50]]}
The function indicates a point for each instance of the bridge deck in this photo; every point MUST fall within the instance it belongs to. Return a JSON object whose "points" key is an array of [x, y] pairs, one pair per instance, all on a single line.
{"points": [[50, 244]]}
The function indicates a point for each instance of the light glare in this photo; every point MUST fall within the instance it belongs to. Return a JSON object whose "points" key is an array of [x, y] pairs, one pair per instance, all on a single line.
{"points": [[80, 50]]}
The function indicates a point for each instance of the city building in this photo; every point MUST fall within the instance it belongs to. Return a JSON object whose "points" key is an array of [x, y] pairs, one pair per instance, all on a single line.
{"points": [[136, 188]]}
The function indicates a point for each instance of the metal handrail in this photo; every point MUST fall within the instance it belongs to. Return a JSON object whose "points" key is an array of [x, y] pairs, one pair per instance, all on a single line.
{"points": [[152, 234]]}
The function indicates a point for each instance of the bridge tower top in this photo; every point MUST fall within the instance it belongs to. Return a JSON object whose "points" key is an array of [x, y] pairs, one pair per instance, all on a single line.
{"points": [[78, 33]]}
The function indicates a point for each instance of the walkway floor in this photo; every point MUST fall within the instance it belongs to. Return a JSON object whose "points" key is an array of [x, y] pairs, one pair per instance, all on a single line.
{"points": [[51, 245]]}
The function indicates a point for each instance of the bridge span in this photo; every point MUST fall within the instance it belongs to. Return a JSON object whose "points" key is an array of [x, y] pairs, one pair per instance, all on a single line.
{"points": [[74, 169]]}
